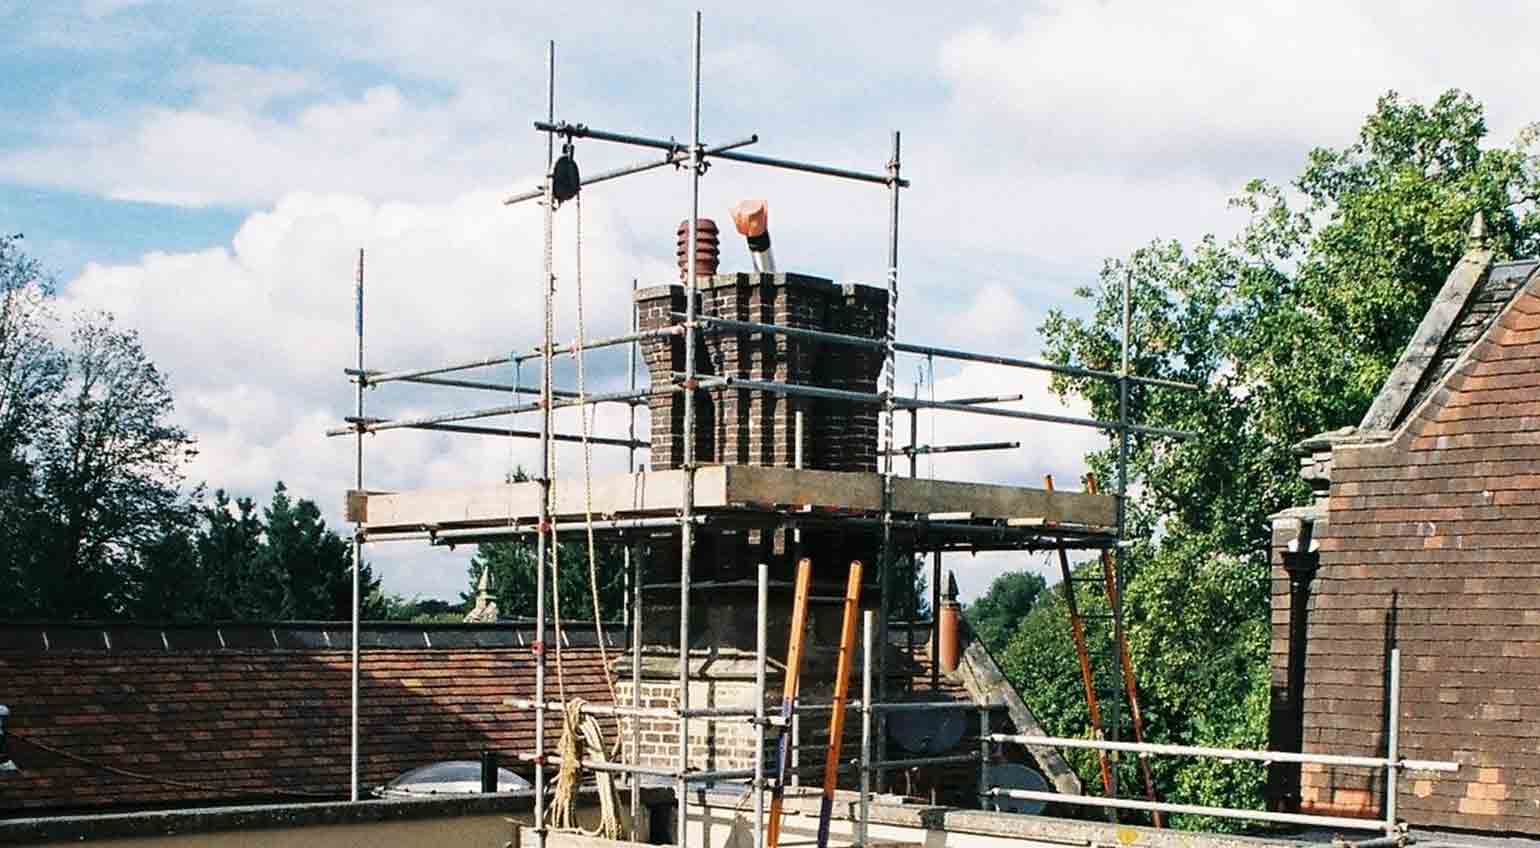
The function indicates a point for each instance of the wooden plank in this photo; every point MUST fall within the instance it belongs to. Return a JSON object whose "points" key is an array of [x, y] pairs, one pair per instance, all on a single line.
{"points": [[789, 695], [863, 491], [721, 486]]}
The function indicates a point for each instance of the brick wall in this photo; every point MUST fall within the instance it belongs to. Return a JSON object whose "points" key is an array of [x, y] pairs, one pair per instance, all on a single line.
{"points": [[1432, 545], [741, 427]]}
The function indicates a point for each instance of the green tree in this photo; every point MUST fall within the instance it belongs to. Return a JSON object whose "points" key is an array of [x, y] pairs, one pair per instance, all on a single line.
{"points": [[111, 467], [513, 576], [1291, 328], [31, 372], [313, 565], [234, 563], [513, 579], [228, 542], [995, 616]]}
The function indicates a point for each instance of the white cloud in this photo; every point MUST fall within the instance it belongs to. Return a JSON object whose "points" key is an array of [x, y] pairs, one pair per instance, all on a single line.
{"points": [[1038, 144], [255, 337]]}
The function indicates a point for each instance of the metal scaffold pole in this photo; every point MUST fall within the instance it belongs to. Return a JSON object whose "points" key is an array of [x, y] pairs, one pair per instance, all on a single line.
{"points": [[686, 526], [548, 284], [358, 545], [1120, 557], [762, 645], [633, 568], [890, 371]]}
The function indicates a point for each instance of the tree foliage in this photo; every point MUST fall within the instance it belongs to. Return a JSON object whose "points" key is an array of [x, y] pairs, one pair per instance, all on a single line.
{"points": [[97, 520], [1290, 328], [513, 576], [1002, 608]]}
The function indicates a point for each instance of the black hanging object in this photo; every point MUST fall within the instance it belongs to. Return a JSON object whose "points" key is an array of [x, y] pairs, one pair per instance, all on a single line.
{"points": [[565, 180]]}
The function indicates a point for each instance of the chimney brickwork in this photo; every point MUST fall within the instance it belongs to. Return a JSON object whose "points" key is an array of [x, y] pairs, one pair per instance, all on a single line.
{"points": [[742, 427]]}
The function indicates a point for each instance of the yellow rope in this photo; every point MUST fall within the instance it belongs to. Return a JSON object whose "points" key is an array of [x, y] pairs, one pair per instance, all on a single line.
{"points": [[580, 735], [588, 468]]}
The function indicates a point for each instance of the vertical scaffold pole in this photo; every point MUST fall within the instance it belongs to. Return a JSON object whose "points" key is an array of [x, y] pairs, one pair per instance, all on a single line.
{"points": [[686, 526], [1121, 558], [1393, 745], [762, 646], [890, 371], [866, 726], [630, 450], [935, 622], [358, 534], [633, 566], [985, 801], [637, 559], [549, 285]]}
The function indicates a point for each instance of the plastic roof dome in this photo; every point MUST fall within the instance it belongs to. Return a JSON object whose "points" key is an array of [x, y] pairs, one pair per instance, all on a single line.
{"points": [[452, 777]]}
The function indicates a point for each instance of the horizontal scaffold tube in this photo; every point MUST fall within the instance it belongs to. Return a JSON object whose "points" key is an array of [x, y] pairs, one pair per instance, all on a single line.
{"points": [[533, 434], [911, 403], [1035, 365], [1147, 748], [963, 448], [916, 762], [581, 131], [708, 322], [988, 399], [677, 157], [1191, 809], [979, 409], [377, 377], [944, 353], [486, 412], [722, 713], [482, 385], [602, 342]]}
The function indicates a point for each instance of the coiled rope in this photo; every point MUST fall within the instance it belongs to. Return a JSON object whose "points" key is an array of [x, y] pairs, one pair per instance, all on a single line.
{"points": [[580, 735]]}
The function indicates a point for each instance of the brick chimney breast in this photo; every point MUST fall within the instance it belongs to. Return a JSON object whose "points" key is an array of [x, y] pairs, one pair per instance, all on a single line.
{"points": [[743, 427]]}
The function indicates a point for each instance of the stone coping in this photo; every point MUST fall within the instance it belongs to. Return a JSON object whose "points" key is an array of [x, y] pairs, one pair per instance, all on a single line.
{"points": [[717, 281], [32, 831]]}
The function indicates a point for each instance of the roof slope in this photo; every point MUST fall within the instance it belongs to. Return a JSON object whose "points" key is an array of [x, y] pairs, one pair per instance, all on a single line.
{"points": [[146, 723], [1475, 293]]}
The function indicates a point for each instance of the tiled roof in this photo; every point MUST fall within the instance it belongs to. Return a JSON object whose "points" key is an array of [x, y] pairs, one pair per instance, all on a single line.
{"points": [[1476, 290], [167, 717], [135, 717], [1492, 294]]}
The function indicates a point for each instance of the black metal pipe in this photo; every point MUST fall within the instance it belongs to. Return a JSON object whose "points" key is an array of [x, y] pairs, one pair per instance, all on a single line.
{"points": [[677, 157], [488, 772]]}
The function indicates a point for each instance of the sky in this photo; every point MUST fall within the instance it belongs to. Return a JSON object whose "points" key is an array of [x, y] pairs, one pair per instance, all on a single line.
{"points": [[209, 172]]}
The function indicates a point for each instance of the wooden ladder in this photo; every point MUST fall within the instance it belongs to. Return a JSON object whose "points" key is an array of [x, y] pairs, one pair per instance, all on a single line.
{"points": [[789, 696], [1087, 676]]}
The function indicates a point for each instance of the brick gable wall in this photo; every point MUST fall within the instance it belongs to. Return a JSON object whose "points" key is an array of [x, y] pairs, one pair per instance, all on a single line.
{"points": [[1432, 543]]}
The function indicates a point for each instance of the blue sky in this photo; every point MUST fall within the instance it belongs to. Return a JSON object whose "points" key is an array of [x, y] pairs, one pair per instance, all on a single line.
{"points": [[208, 171]]}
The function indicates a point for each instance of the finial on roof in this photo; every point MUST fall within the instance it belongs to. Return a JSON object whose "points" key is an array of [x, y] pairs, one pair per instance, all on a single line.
{"points": [[485, 610], [1477, 236], [951, 587]]}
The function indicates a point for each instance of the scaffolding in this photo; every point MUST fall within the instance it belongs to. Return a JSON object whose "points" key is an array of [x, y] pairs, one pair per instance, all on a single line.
{"points": [[934, 532]]}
